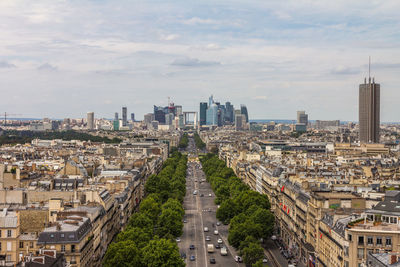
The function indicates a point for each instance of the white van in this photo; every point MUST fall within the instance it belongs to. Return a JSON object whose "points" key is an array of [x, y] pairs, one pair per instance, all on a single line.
{"points": [[205, 229], [224, 251]]}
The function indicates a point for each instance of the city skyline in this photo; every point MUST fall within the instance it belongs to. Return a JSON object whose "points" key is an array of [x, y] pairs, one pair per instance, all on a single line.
{"points": [[271, 51]]}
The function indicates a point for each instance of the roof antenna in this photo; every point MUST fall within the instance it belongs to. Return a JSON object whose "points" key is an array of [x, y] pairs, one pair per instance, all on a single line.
{"points": [[369, 69]]}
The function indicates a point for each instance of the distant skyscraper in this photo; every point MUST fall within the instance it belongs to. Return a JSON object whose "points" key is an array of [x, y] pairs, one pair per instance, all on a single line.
{"points": [[148, 118], [240, 122], [124, 116], [116, 116], [203, 113], [212, 115], [302, 117], [210, 100], [132, 116], [229, 112], [369, 111], [243, 110], [90, 120], [178, 110]]}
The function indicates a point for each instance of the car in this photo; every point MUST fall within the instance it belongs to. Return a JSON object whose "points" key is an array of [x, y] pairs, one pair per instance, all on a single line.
{"points": [[238, 259], [195, 192], [205, 229], [265, 260], [202, 195], [192, 258], [184, 221], [209, 210], [209, 195], [208, 238], [212, 261], [183, 255], [215, 232], [218, 223], [178, 240], [217, 246], [219, 241], [191, 247], [273, 237]]}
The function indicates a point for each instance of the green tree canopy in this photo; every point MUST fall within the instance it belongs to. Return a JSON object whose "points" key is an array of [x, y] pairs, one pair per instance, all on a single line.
{"points": [[162, 253], [122, 254]]}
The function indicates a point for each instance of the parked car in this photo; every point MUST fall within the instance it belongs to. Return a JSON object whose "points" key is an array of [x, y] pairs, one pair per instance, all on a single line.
{"points": [[209, 195], [178, 240], [183, 255], [218, 223]]}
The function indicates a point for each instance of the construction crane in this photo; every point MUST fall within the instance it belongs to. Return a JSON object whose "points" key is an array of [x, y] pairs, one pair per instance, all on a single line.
{"points": [[8, 114]]}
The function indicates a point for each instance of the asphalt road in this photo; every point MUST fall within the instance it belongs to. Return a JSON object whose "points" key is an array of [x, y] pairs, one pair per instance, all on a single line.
{"points": [[200, 212]]}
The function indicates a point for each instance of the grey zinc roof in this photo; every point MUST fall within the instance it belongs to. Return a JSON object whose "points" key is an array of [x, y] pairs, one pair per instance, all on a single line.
{"points": [[68, 233]]}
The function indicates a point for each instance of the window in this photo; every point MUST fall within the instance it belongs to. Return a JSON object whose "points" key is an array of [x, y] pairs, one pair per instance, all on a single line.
{"points": [[21, 244], [9, 246], [31, 244], [360, 253], [346, 264], [349, 237], [379, 240], [361, 240], [0, 245], [393, 220], [0, 233], [388, 241], [62, 235], [72, 248], [8, 257], [9, 233], [62, 248], [346, 251], [370, 240]]}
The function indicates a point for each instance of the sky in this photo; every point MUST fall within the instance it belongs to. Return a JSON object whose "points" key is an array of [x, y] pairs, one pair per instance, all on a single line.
{"points": [[61, 59]]}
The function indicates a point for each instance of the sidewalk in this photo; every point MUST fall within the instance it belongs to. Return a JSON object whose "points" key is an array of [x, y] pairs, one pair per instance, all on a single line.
{"points": [[271, 246]]}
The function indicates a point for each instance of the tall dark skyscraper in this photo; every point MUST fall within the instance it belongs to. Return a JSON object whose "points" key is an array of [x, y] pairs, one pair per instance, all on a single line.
{"points": [[133, 116], [124, 116], [369, 111], [229, 112], [243, 110], [203, 113]]}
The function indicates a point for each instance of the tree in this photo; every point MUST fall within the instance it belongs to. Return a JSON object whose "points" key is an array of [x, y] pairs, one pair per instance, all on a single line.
{"points": [[138, 235], [162, 253], [121, 254], [226, 211], [169, 222], [150, 207], [259, 263], [253, 253], [266, 219], [141, 220], [246, 243]]}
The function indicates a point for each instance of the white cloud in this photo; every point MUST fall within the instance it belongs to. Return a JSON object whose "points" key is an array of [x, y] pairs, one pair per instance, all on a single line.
{"points": [[170, 37], [47, 67], [260, 97], [6, 65], [193, 62]]}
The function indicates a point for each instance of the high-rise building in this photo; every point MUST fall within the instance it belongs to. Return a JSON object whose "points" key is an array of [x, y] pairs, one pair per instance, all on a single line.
{"points": [[240, 122], [169, 118], [124, 116], [203, 113], [212, 115], [369, 111], [132, 116], [302, 117], [178, 110], [243, 110], [148, 118], [90, 120], [229, 112], [210, 100], [116, 116]]}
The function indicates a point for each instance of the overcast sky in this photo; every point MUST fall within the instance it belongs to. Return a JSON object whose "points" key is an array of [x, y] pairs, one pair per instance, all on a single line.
{"points": [[64, 58]]}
